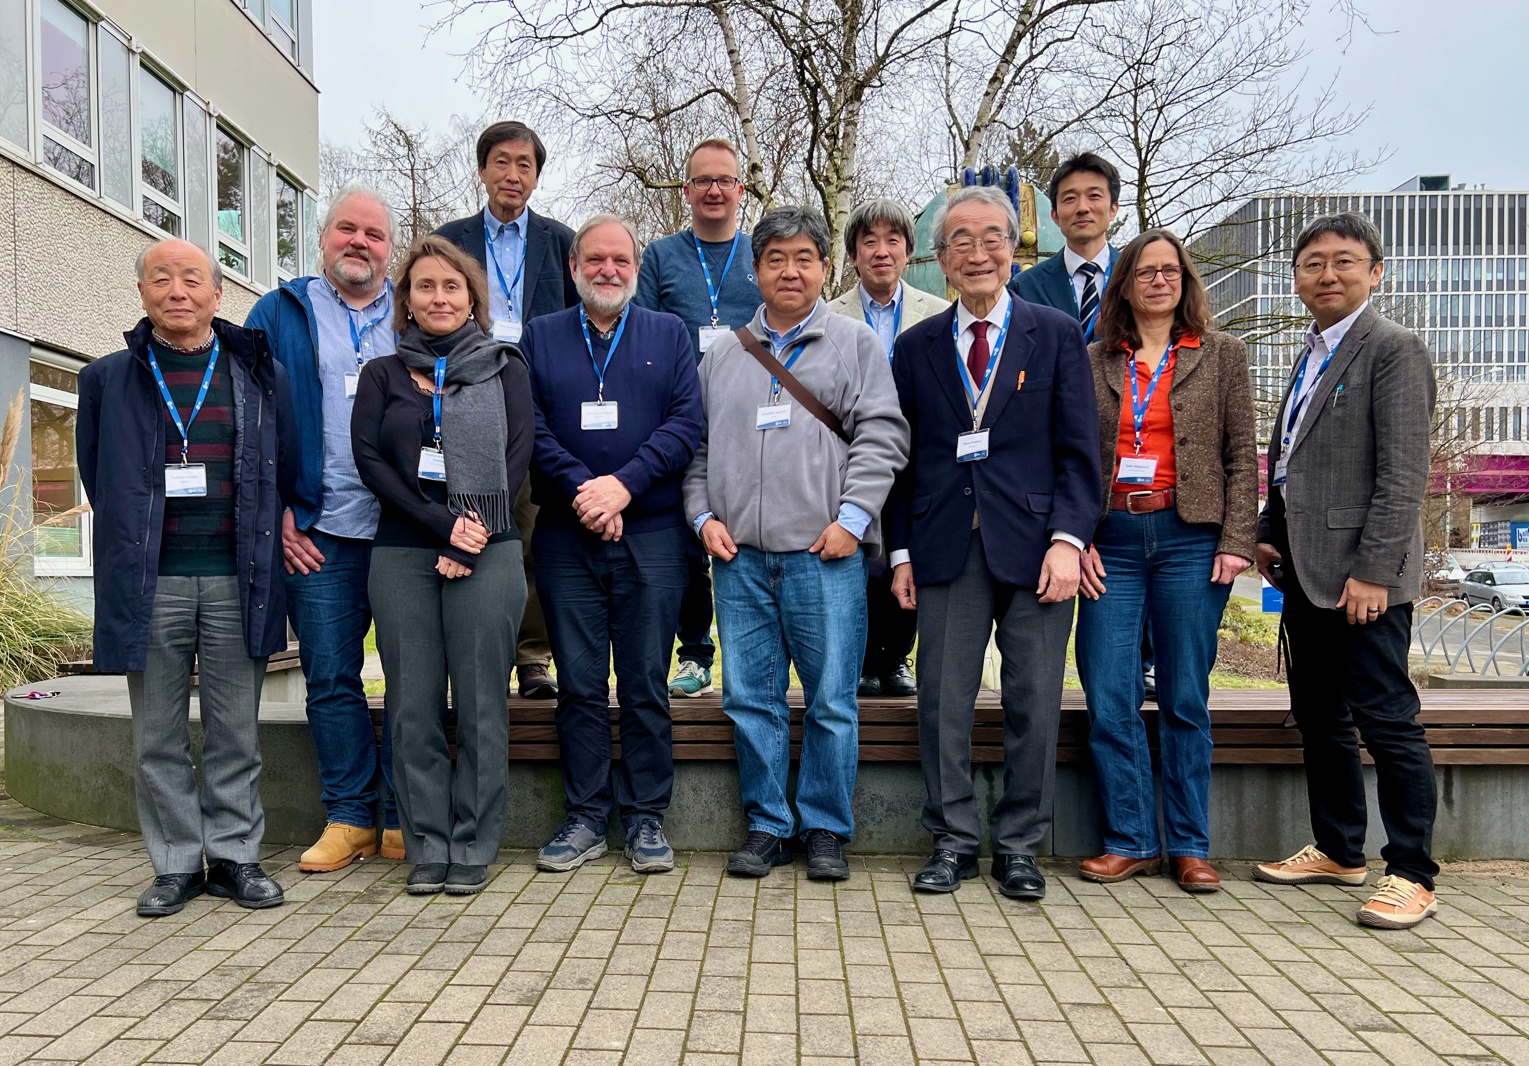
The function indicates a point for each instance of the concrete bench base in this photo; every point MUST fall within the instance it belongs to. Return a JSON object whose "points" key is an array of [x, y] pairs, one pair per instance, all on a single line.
{"points": [[72, 757]]}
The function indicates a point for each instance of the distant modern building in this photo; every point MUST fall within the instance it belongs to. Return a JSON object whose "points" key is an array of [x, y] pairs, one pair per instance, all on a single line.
{"points": [[122, 121], [1457, 271]]}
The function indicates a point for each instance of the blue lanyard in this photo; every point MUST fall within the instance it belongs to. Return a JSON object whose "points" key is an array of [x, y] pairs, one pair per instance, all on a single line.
{"points": [[1139, 407], [201, 396], [520, 269], [357, 335], [1297, 399], [440, 385], [897, 319], [788, 363], [715, 290], [589, 346], [973, 392]]}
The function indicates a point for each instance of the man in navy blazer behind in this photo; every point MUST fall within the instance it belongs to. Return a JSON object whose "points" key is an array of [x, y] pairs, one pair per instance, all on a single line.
{"points": [[985, 526]]}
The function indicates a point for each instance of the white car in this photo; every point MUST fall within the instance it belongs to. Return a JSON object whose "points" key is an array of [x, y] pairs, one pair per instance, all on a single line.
{"points": [[1504, 585]]}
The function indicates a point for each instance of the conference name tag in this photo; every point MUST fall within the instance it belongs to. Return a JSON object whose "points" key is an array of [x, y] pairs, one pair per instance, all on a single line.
{"points": [[1279, 471], [352, 381], [187, 480], [507, 330], [1137, 470], [972, 446], [710, 334], [773, 416], [432, 465], [597, 415]]}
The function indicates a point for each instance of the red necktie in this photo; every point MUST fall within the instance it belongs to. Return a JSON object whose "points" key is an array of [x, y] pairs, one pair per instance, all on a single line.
{"points": [[976, 358]]}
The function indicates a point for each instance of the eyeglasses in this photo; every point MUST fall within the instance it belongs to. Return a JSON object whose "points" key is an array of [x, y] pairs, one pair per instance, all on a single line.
{"points": [[1169, 273], [726, 183], [1315, 268], [992, 242]]}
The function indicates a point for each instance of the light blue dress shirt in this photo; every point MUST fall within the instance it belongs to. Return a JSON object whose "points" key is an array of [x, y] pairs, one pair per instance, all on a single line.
{"points": [[505, 243], [883, 318]]}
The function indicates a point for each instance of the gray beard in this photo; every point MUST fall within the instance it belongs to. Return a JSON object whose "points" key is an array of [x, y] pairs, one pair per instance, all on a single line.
{"points": [[595, 298], [350, 272]]}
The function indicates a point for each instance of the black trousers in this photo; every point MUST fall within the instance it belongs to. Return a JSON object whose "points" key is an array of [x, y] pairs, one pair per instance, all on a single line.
{"points": [[1344, 677], [889, 629], [694, 629]]}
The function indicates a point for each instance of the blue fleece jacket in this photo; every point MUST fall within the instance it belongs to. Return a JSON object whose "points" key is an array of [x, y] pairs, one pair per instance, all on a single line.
{"points": [[671, 280], [285, 315], [652, 379]]}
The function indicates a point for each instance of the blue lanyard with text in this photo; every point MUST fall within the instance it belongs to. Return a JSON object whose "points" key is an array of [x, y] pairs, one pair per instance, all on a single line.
{"points": [[589, 346], [715, 290], [440, 385], [201, 396], [973, 391], [897, 320], [1297, 398], [356, 336], [1139, 407], [788, 363], [520, 269]]}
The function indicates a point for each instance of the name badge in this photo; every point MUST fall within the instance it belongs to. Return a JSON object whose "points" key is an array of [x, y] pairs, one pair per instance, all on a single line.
{"points": [[1137, 470], [710, 334], [506, 330], [773, 416], [1279, 472], [972, 446], [597, 415], [432, 465], [188, 480], [351, 382]]}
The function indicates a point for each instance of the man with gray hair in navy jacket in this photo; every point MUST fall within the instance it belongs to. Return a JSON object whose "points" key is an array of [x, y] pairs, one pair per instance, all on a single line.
{"points": [[618, 418]]}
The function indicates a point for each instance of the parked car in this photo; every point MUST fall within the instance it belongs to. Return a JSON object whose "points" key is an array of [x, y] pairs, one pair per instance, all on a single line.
{"points": [[1444, 574], [1502, 585]]}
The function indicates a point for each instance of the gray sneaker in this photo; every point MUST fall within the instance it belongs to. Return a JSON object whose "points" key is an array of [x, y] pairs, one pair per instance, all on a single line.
{"points": [[647, 849], [571, 846]]}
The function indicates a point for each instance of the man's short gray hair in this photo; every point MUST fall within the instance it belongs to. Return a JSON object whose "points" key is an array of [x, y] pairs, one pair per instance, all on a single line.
{"points": [[873, 213], [783, 223], [985, 194], [143, 259], [1349, 224], [346, 192], [605, 218]]}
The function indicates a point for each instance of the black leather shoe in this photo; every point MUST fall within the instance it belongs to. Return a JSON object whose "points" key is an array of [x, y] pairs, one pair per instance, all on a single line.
{"points": [[245, 883], [169, 893], [825, 856], [464, 880], [899, 682], [945, 871], [1018, 877], [870, 685], [761, 853], [536, 682], [426, 879]]}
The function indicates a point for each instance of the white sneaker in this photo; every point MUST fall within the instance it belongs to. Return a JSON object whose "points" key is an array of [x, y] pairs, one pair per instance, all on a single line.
{"points": [[691, 679]]}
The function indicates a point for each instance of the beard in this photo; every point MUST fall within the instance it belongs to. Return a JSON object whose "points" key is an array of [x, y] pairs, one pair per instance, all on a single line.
{"points": [[354, 271], [605, 299]]}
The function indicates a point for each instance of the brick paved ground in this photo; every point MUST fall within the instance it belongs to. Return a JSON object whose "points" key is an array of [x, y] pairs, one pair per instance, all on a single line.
{"points": [[602, 966]]}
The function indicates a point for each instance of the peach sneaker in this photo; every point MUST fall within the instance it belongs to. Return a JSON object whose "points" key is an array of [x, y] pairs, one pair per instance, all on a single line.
{"points": [[1309, 867], [1397, 904]]}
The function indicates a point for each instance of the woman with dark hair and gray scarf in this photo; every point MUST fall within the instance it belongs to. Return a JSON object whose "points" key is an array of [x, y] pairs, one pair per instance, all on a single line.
{"points": [[442, 434]]}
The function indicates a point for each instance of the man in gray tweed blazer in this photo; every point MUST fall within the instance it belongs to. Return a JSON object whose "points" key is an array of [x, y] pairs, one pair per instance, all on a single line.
{"points": [[1342, 537]]}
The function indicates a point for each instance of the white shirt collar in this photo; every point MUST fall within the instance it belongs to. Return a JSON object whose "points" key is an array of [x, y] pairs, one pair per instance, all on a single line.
{"points": [[495, 228], [868, 304], [1333, 335], [999, 311], [1074, 260]]}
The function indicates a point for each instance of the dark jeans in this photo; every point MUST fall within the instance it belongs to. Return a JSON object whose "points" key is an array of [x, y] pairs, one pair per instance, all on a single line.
{"points": [[608, 599], [330, 613], [1346, 676], [889, 630], [694, 629]]}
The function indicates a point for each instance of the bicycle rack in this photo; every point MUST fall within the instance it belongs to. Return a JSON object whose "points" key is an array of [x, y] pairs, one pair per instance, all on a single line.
{"points": [[1469, 632]]}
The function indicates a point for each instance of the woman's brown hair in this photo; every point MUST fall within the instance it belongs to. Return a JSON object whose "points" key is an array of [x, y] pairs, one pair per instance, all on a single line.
{"points": [[1117, 322], [433, 247]]}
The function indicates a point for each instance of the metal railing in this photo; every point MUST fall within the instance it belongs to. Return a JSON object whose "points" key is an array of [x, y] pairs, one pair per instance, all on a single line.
{"points": [[1458, 631]]}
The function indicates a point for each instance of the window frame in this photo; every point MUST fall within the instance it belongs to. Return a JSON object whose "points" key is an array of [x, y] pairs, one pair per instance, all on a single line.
{"points": [[45, 130], [177, 109], [298, 191], [221, 239], [281, 34], [82, 565]]}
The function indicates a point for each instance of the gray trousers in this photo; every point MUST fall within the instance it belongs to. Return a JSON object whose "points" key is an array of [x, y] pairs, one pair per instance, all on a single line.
{"points": [[198, 620], [954, 623], [431, 631]]}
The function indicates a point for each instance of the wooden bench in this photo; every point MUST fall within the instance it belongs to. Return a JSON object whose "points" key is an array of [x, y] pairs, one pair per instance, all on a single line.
{"points": [[1249, 726], [281, 661]]}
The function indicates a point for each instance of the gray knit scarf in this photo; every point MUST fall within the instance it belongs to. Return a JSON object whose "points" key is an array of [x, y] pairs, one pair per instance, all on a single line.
{"points": [[474, 427]]}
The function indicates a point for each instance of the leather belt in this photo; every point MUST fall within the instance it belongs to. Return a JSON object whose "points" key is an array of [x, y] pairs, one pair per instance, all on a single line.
{"points": [[1142, 502]]}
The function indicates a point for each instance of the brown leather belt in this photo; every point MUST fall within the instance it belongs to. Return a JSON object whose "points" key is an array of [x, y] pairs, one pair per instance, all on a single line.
{"points": [[1142, 502]]}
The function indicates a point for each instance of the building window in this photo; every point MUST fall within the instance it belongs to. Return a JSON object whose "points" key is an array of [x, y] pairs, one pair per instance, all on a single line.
{"points": [[289, 229], [114, 63], [283, 26], [159, 136], [68, 146], [61, 536], [233, 183]]}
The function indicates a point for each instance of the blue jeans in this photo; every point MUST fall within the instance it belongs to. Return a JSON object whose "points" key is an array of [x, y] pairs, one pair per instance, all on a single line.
{"points": [[331, 614], [775, 609], [1158, 568]]}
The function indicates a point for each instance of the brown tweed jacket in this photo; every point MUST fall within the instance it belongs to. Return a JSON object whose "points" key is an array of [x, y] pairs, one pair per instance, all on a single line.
{"points": [[1215, 448]]}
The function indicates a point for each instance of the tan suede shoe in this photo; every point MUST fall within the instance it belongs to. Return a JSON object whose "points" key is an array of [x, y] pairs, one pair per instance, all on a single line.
{"points": [[392, 844], [340, 846], [1397, 904], [1309, 867]]}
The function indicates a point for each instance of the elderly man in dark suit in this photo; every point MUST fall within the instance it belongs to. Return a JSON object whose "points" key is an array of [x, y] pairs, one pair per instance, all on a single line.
{"points": [[1342, 536], [988, 519], [526, 258]]}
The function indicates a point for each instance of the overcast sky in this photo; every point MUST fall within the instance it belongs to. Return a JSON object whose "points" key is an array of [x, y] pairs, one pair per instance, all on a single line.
{"points": [[1445, 79]]}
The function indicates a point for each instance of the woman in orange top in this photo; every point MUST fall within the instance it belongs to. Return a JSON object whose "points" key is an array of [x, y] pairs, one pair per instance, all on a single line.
{"points": [[1180, 498]]}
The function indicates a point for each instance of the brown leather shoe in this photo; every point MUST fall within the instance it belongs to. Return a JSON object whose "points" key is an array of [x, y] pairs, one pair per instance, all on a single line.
{"points": [[1195, 875], [1110, 869]]}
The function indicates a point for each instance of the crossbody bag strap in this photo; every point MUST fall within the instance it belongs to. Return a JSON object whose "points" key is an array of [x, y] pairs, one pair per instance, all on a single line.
{"points": [[798, 391]]}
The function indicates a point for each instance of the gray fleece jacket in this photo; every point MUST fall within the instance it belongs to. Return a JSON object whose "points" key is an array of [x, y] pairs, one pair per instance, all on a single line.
{"points": [[778, 489]]}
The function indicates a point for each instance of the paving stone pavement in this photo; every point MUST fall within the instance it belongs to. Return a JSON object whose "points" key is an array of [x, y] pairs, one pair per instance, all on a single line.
{"points": [[605, 966]]}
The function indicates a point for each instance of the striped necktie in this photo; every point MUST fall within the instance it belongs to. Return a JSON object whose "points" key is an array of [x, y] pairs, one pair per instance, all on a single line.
{"points": [[1089, 305]]}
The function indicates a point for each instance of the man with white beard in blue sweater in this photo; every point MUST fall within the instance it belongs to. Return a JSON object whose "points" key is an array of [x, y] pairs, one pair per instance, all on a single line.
{"points": [[618, 418]]}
